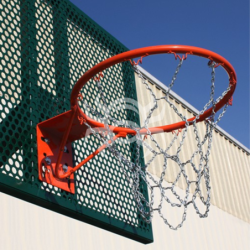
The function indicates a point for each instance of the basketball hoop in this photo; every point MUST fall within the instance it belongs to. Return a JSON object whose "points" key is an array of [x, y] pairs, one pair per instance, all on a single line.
{"points": [[74, 124]]}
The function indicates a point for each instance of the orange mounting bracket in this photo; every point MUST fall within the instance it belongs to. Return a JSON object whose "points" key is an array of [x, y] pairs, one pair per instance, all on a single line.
{"points": [[49, 137]]}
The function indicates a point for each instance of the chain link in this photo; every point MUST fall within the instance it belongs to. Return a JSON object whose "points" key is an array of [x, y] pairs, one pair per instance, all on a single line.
{"points": [[135, 173]]}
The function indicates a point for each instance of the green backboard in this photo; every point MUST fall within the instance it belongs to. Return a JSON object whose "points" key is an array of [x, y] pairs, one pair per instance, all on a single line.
{"points": [[45, 47]]}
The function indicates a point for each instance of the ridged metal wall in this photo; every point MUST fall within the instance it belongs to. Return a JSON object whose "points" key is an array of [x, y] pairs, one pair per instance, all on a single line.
{"points": [[229, 161]]}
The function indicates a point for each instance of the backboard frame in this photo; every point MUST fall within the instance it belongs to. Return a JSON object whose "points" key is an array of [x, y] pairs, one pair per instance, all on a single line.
{"points": [[32, 107]]}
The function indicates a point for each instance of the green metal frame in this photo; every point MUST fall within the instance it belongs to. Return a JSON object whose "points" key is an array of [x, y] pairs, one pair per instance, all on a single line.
{"points": [[34, 103]]}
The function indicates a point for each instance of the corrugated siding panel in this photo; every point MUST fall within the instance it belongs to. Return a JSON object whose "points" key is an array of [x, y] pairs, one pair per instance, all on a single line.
{"points": [[29, 227], [229, 164]]}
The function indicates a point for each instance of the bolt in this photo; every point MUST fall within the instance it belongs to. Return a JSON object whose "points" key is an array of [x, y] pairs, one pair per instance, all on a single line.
{"points": [[65, 168], [48, 160], [46, 140], [65, 149], [211, 63]]}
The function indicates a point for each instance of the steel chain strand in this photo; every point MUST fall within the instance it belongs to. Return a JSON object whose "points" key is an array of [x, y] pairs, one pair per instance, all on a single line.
{"points": [[146, 121], [200, 171], [182, 172], [223, 94], [207, 180], [206, 158], [137, 195], [221, 114], [138, 144], [180, 165], [175, 109], [166, 97], [211, 93], [182, 140], [162, 189], [192, 157], [206, 166], [174, 76], [177, 160], [199, 149]]}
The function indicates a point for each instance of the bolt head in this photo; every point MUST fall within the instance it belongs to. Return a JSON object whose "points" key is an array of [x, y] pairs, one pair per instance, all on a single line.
{"points": [[65, 168], [48, 160]]}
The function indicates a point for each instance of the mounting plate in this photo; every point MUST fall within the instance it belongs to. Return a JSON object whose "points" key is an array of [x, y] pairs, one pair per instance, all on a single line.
{"points": [[48, 150]]}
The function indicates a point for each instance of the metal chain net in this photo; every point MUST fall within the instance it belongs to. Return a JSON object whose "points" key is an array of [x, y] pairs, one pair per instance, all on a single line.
{"points": [[135, 172]]}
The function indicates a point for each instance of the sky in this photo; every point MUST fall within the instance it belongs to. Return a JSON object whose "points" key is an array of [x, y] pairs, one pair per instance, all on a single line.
{"points": [[221, 26]]}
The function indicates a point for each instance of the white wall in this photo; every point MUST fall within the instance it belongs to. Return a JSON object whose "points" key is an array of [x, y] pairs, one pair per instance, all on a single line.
{"points": [[27, 227]]}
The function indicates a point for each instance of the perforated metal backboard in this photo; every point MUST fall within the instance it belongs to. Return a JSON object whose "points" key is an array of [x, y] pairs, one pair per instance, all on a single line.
{"points": [[45, 46]]}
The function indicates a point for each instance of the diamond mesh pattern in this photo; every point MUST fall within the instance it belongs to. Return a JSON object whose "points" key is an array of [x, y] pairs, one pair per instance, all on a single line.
{"points": [[45, 46]]}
